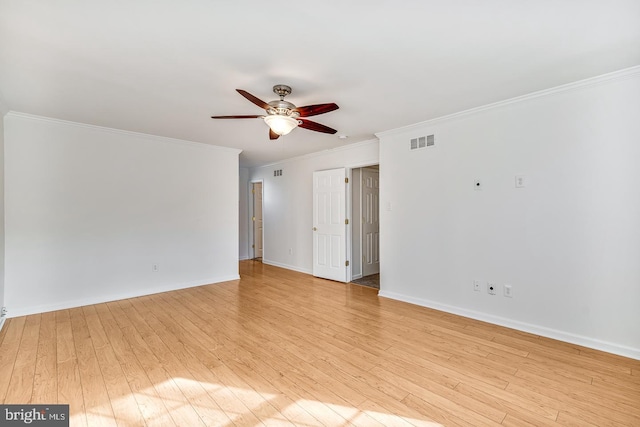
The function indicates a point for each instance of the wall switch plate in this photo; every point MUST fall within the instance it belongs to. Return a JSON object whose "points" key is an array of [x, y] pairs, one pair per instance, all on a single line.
{"points": [[477, 285], [477, 184], [508, 291]]}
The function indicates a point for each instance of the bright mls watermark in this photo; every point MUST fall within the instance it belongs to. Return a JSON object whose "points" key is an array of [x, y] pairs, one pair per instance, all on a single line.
{"points": [[35, 415]]}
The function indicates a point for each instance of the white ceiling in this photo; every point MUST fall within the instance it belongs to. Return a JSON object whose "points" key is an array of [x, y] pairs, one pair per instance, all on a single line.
{"points": [[163, 67]]}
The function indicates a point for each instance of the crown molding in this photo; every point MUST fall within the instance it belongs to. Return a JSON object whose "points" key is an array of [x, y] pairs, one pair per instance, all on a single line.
{"points": [[626, 73], [123, 132]]}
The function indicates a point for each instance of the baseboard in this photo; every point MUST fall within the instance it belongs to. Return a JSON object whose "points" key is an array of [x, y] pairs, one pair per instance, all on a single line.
{"points": [[244, 258], [288, 267], [2, 319], [605, 346], [99, 300]]}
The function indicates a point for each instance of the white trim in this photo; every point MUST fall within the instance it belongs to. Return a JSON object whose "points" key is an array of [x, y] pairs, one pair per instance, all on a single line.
{"points": [[124, 132], [593, 81], [608, 347], [2, 319], [287, 266], [244, 258], [364, 165], [91, 301]]}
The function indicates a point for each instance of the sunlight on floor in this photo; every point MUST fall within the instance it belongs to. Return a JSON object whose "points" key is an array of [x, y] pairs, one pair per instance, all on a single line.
{"points": [[180, 400]]}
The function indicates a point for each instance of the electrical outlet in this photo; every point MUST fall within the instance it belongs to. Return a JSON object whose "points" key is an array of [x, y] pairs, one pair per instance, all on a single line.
{"points": [[521, 181], [477, 285], [491, 288], [155, 268], [508, 291], [290, 251]]}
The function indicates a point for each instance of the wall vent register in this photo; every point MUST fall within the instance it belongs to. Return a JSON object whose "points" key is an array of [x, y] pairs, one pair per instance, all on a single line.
{"points": [[422, 142]]}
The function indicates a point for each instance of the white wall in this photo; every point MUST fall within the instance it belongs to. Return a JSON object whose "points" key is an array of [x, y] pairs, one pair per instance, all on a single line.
{"points": [[288, 202], [244, 214], [3, 112], [89, 210], [568, 243]]}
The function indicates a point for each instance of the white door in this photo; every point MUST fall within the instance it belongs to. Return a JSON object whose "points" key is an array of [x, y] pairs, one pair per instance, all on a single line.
{"points": [[370, 222], [257, 220], [329, 227]]}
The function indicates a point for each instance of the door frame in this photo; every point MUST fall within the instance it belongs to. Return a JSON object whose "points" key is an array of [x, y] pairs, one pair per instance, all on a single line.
{"points": [[361, 242], [252, 249], [349, 205]]}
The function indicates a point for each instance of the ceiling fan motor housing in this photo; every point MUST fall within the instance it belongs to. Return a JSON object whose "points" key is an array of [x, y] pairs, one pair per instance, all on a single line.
{"points": [[283, 108]]}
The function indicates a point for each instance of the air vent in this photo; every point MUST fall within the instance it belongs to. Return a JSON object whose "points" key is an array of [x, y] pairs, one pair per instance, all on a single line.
{"points": [[277, 172], [422, 142]]}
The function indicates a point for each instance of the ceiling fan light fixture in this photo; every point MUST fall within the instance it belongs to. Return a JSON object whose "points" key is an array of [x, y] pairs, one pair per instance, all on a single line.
{"points": [[282, 116], [281, 125]]}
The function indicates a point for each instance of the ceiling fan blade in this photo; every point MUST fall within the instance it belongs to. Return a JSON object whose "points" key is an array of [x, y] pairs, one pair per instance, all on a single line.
{"points": [[259, 102], [308, 124], [273, 135], [314, 110], [237, 117]]}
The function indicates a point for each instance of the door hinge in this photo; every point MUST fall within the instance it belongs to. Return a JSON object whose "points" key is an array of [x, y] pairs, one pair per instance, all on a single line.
{"points": [[346, 180], [253, 246], [346, 263], [253, 191], [346, 221]]}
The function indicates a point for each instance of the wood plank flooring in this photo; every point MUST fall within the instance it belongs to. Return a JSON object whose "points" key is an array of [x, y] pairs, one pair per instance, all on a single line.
{"points": [[283, 348]]}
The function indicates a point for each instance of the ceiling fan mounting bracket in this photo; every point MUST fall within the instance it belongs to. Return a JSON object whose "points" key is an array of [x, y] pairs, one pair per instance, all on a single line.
{"points": [[282, 90]]}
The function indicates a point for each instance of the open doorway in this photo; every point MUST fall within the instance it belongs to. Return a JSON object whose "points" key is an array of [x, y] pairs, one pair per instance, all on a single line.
{"points": [[365, 230], [256, 219], [346, 225]]}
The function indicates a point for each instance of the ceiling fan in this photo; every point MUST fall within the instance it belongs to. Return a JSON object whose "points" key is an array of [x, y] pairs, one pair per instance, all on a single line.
{"points": [[282, 116]]}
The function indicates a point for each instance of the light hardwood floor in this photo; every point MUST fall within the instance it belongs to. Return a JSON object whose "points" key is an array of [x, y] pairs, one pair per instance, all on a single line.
{"points": [[283, 348]]}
